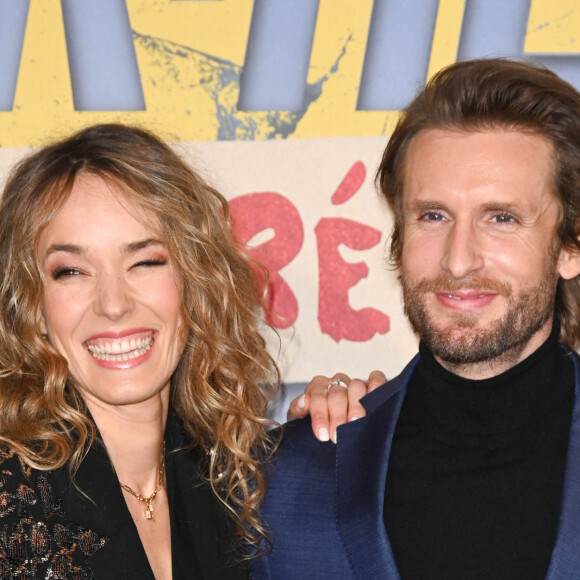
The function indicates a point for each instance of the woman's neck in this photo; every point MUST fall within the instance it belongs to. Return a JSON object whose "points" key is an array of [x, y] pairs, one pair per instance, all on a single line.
{"points": [[133, 436]]}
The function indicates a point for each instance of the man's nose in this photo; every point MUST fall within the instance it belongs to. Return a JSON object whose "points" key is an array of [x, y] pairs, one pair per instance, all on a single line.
{"points": [[113, 298], [462, 254]]}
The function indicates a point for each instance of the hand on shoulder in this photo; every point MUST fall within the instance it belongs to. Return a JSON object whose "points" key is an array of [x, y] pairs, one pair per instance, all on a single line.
{"points": [[332, 401]]}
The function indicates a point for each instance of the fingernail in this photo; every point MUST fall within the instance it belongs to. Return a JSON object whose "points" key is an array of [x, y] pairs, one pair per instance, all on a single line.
{"points": [[354, 418], [323, 434], [300, 403], [334, 437]]}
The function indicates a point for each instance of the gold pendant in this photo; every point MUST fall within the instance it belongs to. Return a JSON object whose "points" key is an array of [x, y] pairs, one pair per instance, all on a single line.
{"points": [[149, 511]]}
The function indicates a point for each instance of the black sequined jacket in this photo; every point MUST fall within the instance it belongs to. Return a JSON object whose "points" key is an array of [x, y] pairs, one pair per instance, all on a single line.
{"points": [[49, 529]]}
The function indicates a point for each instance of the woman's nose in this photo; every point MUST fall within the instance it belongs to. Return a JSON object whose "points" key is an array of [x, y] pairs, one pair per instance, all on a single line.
{"points": [[114, 298]]}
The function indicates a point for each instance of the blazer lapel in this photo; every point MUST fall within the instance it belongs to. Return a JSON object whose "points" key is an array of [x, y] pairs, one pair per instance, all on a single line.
{"points": [[203, 535], [105, 511], [565, 563], [362, 457]]}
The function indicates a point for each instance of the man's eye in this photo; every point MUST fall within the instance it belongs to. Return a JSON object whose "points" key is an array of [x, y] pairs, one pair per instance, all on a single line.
{"points": [[432, 216], [503, 218], [64, 273]]}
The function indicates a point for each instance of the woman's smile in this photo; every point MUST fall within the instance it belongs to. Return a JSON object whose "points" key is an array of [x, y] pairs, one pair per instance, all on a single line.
{"points": [[123, 352]]}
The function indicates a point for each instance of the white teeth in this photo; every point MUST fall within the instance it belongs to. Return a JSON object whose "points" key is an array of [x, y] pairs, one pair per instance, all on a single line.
{"points": [[124, 351], [460, 298]]}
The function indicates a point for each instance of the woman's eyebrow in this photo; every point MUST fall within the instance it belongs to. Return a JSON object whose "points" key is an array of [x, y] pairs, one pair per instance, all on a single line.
{"points": [[80, 250], [70, 248], [135, 246]]}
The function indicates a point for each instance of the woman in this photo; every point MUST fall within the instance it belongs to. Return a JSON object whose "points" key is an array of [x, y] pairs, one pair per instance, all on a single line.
{"points": [[134, 380]]}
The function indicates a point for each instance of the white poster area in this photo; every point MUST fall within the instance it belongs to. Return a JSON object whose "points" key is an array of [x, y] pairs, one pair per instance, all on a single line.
{"points": [[357, 324], [308, 208]]}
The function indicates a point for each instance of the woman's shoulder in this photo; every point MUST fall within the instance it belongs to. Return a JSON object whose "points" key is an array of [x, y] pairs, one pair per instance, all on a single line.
{"points": [[21, 485], [18, 481], [36, 537]]}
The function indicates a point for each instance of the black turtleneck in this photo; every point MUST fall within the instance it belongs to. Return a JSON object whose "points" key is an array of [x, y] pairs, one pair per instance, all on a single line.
{"points": [[476, 469]]}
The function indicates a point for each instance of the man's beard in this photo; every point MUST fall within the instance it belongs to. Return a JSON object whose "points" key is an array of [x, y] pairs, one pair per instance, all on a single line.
{"points": [[459, 341]]}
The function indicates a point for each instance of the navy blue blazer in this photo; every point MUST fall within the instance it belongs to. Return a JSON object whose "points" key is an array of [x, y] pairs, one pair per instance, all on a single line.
{"points": [[325, 502]]}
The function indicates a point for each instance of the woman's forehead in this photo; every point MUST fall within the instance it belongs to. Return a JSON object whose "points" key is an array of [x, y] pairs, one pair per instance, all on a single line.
{"points": [[99, 208]]}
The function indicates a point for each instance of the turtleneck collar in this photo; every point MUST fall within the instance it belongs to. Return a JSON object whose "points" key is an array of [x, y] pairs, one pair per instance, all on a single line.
{"points": [[500, 404]]}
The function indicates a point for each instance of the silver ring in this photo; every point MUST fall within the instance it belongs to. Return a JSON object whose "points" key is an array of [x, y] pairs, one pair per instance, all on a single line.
{"points": [[336, 383]]}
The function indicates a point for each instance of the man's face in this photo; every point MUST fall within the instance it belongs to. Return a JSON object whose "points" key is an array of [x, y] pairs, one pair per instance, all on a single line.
{"points": [[479, 267]]}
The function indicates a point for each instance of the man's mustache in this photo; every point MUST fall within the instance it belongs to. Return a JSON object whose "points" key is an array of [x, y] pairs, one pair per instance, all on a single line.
{"points": [[442, 284]]}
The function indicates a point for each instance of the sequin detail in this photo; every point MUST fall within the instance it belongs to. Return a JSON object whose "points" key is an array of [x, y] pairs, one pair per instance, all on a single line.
{"points": [[36, 540]]}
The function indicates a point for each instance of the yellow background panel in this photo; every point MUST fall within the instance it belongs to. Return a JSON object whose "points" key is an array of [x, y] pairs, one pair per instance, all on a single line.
{"points": [[190, 57], [446, 34], [217, 28], [553, 27], [43, 103], [340, 41]]}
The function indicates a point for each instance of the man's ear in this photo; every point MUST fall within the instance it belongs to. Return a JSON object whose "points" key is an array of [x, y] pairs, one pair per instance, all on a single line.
{"points": [[569, 263]]}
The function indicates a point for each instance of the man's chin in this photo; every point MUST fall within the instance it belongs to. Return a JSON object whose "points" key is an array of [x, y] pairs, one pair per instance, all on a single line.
{"points": [[460, 345], [463, 346]]}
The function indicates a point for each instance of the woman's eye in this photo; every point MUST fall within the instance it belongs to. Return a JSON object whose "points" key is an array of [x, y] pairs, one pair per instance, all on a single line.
{"points": [[150, 263], [64, 273]]}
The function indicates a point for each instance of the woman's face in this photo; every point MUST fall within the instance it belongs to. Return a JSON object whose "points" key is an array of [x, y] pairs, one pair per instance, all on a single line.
{"points": [[112, 301]]}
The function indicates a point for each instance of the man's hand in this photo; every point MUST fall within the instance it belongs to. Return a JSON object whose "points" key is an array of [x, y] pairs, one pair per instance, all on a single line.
{"points": [[331, 407]]}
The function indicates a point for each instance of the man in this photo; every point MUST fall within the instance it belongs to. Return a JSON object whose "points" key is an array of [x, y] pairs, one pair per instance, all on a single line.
{"points": [[467, 465]]}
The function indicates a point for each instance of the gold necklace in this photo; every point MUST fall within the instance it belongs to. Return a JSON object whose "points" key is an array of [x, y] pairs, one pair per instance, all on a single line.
{"points": [[148, 501]]}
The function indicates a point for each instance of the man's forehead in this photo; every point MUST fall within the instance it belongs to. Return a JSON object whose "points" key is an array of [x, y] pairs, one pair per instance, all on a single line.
{"points": [[491, 132], [517, 158]]}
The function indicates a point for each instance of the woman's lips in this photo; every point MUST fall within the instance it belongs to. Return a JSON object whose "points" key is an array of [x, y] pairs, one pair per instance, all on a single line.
{"points": [[123, 350]]}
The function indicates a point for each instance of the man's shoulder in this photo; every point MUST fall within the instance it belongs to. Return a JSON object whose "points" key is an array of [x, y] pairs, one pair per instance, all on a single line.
{"points": [[300, 447], [298, 430], [382, 394], [298, 440], [574, 355]]}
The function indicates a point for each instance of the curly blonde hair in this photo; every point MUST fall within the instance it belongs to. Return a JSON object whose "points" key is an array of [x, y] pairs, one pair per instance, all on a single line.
{"points": [[225, 378]]}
